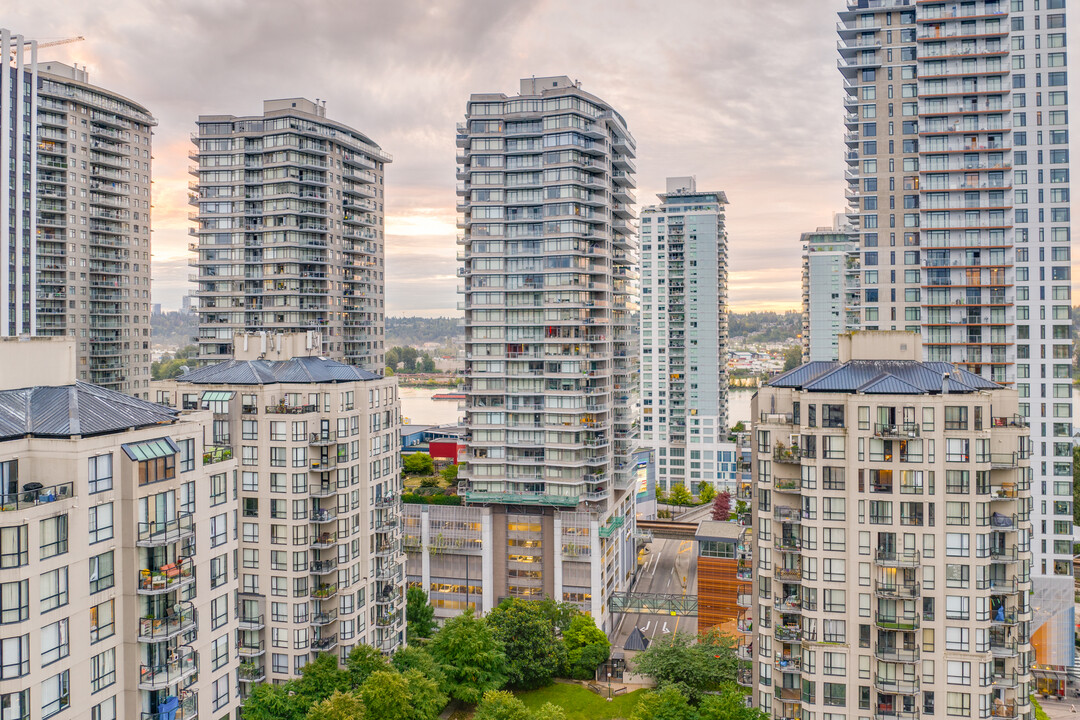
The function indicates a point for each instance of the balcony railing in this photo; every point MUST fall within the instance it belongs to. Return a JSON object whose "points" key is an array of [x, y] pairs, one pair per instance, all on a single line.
{"points": [[892, 558], [896, 685], [897, 621], [903, 430], [324, 592], [323, 515], [250, 648], [893, 654], [36, 494], [186, 707], [323, 618], [283, 409], [160, 629], [324, 643], [216, 453], [898, 589], [166, 578], [159, 677], [154, 534]]}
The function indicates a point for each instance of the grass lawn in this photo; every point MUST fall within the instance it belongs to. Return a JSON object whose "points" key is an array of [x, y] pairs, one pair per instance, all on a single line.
{"points": [[580, 703]]}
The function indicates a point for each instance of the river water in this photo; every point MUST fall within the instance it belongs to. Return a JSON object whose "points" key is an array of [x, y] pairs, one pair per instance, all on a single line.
{"points": [[418, 406]]}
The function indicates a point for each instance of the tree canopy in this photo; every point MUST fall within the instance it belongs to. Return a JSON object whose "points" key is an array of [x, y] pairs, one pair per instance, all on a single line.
{"points": [[587, 647], [533, 653], [418, 463], [419, 615], [474, 661], [692, 667]]}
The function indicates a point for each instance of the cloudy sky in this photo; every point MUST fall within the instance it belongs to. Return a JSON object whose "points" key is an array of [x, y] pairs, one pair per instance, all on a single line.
{"points": [[744, 94]]}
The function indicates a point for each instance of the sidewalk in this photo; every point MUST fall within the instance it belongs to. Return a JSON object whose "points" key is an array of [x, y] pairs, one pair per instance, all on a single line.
{"points": [[1061, 709]]}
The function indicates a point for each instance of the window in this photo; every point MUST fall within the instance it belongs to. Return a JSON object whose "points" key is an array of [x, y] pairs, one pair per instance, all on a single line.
{"points": [[957, 607], [219, 651], [54, 589], [959, 704], [220, 692], [102, 670], [102, 621], [218, 529], [14, 657], [956, 544], [219, 612], [54, 536], [187, 454], [219, 570], [218, 489], [105, 710], [160, 468], [835, 664], [14, 602], [100, 473], [14, 546], [959, 672], [55, 695], [956, 417], [834, 694], [101, 522], [101, 572], [250, 429], [54, 642]]}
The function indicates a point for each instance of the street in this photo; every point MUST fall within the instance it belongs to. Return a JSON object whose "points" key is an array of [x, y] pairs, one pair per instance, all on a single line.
{"points": [[670, 568]]}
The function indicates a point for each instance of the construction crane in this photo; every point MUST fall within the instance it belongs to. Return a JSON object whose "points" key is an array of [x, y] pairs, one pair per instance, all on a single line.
{"points": [[50, 43]]}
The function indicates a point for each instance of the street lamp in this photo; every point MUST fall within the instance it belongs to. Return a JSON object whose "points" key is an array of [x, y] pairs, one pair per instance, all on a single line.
{"points": [[609, 683]]}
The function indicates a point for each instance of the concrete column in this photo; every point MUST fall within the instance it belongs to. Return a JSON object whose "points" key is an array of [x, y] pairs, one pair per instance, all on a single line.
{"points": [[558, 568], [425, 549], [596, 567], [487, 560]]}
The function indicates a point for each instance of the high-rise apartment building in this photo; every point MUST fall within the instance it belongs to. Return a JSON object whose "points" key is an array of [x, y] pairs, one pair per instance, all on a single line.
{"points": [[320, 554], [684, 380], [958, 171], [831, 290], [892, 520], [550, 250], [118, 601], [75, 194], [289, 231]]}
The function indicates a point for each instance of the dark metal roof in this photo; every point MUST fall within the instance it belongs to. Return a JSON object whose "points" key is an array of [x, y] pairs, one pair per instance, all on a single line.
{"points": [[79, 409], [902, 377], [269, 372]]}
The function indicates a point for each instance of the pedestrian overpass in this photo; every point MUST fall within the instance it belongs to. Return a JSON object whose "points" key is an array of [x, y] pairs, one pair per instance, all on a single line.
{"points": [[653, 604]]}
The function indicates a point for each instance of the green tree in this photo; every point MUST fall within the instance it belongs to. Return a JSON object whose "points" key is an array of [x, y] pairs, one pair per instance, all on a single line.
{"points": [[385, 695], [275, 702], [389, 372], [320, 678], [419, 614], [427, 364], [426, 699], [362, 661], [728, 705], [412, 657], [693, 667], [738, 427], [339, 706], [418, 463], [559, 614], [792, 357], [586, 647], [449, 474], [705, 492], [533, 653], [501, 705], [473, 659], [680, 496], [664, 704], [549, 711]]}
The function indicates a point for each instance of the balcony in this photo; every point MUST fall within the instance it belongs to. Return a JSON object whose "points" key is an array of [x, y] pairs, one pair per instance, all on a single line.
{"points": [[323, 515], [787, 514], [323, 541], [777, 418], [387, 619], [322, 490], [283, 409], [324, 592], [324, 643], [323, 567], [1004, 649], [251, 622], [323, 464], [896, 589], [250, 649], [1004, 554], [323, 438], [159, 629], [788, 664], [156, 534], [1005, 680], [897, 686], [901, 431], [788, 633], [782, 454], [897, 621], [168, 577], [160, 677], [216, 453], [789, 574], [887, 653], [886, 713], [251, 672], [323, 618], [788, 485], [745, 677], [186, 708], [895, 559]]}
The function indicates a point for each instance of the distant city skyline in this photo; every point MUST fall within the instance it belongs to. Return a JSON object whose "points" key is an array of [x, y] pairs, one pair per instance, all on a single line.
{"points": [[707, 98], [700, 91]]}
